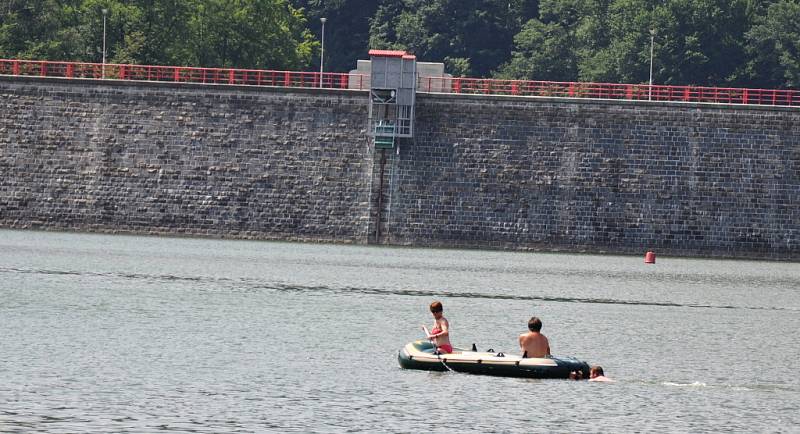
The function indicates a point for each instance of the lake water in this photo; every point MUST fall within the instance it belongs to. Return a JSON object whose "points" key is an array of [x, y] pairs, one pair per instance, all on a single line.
{"points": [[103, 333]]}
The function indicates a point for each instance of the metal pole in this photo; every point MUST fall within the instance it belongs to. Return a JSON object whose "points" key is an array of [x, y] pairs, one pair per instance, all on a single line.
{"points": [[103, 73], [652, 40], [380, 199], [322, 52]]}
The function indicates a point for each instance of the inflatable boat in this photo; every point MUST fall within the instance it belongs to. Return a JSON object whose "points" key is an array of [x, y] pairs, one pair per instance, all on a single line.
{"points": [[422, 355]]}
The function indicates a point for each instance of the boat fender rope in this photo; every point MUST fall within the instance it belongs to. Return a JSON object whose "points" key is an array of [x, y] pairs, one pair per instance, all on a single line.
{"points": [[500, 354], [444, 362], [490, 350]]}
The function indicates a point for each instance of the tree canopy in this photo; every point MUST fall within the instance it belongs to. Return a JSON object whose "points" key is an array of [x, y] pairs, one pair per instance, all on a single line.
{"points": [[213, 33], [752, 43]]}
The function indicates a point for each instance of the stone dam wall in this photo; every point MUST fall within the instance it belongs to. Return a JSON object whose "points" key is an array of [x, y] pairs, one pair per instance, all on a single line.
{"points": [[494, 172]]}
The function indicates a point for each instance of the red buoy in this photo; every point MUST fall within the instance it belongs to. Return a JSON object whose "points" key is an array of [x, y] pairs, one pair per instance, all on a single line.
{"points": [[649, 258]]}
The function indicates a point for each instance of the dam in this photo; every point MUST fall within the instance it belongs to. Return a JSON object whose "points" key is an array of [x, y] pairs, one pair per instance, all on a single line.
{"points": [[542, 173]]}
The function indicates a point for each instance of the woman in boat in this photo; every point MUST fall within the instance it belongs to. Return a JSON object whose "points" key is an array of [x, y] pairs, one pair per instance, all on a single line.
{"points": [[440, 333]]}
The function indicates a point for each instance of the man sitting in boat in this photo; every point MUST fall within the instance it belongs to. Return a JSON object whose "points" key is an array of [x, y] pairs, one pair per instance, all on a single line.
{"points": [[440, 333], [533, 343]]}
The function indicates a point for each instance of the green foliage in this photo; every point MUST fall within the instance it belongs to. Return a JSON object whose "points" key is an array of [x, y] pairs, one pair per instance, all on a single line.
{"points": [[536, 47], [696, 41], [248, 34], [346, 30], [40, 29], [701, 41], [242, 33], [705, 42], [774, 46], [474, 35]]}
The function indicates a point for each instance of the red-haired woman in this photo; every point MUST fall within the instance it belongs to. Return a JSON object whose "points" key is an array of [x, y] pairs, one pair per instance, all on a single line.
{"points": [[440, 333]]}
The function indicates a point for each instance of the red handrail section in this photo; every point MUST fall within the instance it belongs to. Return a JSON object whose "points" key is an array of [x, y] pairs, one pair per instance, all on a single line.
{"points": [[331, 80], [183, 74], [637, 92]]}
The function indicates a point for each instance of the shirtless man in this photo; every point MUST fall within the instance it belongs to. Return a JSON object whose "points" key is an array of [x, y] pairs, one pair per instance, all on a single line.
{"points": [[596, 374], [533, 343], [440, 333]]}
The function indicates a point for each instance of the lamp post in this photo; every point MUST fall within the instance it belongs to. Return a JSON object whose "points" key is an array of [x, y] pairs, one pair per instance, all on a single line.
{"points": [[322, 51], [105, 13], [652, 41]]}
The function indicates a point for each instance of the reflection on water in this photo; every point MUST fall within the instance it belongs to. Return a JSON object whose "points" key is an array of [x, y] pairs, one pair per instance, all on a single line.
{"points": [[143, 334]]}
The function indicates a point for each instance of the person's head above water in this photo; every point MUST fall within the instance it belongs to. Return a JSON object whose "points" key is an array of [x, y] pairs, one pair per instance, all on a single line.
{"points": [[436, 307], [596, 371], [535, 324]]}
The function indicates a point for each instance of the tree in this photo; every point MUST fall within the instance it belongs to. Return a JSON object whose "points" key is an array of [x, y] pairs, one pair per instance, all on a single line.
{"points": [[541, 52], [41, 29], [156, 32], [702, 41], [249, 34], [347, 30], [614, 42], [472, 37], [236, 33], [773, 45]]}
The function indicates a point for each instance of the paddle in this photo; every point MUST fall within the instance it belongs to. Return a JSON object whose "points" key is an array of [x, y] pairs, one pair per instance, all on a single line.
{"points": [[427, 335]]}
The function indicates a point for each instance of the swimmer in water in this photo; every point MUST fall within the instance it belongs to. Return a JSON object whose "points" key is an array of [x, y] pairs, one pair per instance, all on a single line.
{"points": [[596, 374]]}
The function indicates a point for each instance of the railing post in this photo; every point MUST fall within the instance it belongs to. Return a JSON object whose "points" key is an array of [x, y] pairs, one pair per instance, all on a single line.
{"points": [[176, 74], [287, 79], [571, 90], [231, 76], [15, 67], [514, 88], [42, 69], [629, 92], [69, 70], [122, 71], [686, 94]]}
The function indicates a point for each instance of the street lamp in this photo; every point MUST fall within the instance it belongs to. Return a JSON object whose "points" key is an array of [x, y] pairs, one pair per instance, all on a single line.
{"points": [[322, 50], [652, 41], [105, 13]]}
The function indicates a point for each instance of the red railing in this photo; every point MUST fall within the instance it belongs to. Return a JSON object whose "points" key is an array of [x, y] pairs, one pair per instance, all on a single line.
{"points": [[480, 86], [639, 92], [183, 74]]}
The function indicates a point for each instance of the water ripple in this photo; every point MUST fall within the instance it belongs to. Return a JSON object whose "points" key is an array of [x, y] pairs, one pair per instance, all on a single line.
{"points": [[257, 284], [476, 295]]}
